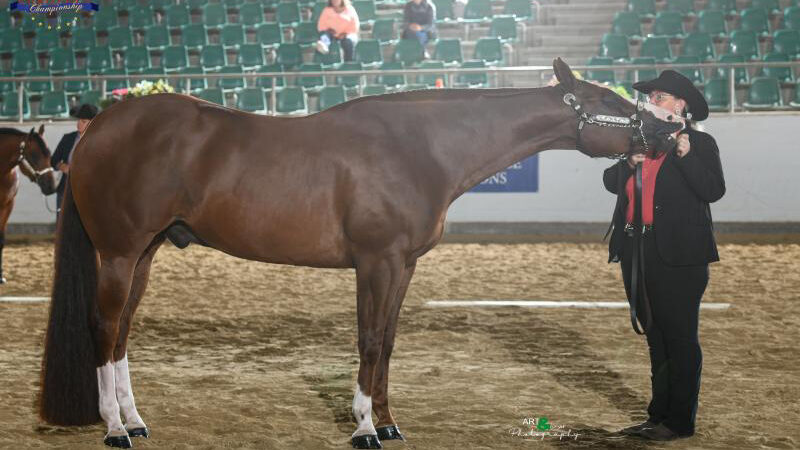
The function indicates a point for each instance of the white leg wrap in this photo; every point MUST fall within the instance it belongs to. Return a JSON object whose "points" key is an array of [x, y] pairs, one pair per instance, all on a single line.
{"points": [[125, 395], [109, 408], [362, 410]]}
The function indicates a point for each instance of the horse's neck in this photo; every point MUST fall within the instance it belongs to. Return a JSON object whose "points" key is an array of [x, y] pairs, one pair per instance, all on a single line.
{"points": [[9, 152], [497, 129]]}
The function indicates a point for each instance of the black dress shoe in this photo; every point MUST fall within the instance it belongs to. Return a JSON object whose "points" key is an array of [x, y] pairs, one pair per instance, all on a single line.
{"points": [[636, 429], [661, 433]]}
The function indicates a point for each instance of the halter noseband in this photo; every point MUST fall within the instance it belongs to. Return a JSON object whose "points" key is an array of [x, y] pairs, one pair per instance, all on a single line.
{"points": [[26, 166], [634, 122]]}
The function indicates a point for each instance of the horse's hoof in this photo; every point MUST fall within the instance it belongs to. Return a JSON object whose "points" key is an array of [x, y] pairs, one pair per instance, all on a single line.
{"points": [[118, 441], [139, 432], [2, 280], [389, 432], [366, 441]]}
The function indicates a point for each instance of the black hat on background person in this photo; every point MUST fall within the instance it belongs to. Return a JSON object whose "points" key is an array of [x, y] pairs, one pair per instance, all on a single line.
{"points": [[84, 111], [678, 85]]}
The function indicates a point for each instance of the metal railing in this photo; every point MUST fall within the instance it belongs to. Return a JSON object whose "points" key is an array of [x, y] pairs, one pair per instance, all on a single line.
{"points": [[541, 73]]}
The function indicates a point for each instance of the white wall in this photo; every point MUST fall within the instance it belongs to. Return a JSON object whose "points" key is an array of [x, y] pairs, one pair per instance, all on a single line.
{"points": [[760, 156]]}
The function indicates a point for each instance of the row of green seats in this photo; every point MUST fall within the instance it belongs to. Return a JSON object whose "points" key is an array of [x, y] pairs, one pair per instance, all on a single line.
{"points": [[480, 11], [647, 8]]}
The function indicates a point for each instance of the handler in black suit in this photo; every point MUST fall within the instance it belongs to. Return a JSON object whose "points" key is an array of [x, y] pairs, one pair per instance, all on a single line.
{"points": [[678, 246], [63, 154]]}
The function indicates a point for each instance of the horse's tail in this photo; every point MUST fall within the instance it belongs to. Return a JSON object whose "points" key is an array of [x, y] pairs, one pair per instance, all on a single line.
{"points": [[69, 393]]}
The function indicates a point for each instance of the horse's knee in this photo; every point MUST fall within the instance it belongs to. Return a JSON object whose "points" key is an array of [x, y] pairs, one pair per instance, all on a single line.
{"points": [[369, 345]]}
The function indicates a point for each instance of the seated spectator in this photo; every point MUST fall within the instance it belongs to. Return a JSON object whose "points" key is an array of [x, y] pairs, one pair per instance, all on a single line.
{"points": [[338, 21], [419, 21]]}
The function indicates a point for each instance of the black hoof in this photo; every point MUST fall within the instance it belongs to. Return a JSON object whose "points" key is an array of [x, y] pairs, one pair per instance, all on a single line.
{"points": [[139, 432], [118, 441], [390, 432], [2, 280], [366, 441]]}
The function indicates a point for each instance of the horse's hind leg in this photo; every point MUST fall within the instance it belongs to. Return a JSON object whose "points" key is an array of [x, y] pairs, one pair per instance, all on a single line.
{"points": [[387, 427], [133, 421]]}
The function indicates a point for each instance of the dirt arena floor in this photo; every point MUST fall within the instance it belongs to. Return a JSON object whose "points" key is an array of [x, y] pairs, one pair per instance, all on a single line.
{"points": [[228, 353]]}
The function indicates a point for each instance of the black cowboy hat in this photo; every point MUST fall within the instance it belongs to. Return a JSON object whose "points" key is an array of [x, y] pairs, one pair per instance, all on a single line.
{"points": [[84, 111], [678, 85]]}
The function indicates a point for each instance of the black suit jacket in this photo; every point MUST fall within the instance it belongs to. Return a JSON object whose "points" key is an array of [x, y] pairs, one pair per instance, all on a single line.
{"points": [[61, 155], [681, 215]]}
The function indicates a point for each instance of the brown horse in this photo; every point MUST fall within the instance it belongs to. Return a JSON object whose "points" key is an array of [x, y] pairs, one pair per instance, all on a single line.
{"points": [[363, 185], [30, 153]]}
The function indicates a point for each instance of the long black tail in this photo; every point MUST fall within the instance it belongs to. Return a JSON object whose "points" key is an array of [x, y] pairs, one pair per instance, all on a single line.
{"points": [[69, 377]]}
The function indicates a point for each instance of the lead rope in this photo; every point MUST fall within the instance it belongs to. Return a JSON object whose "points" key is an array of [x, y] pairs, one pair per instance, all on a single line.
{"points": [[638, 261]]}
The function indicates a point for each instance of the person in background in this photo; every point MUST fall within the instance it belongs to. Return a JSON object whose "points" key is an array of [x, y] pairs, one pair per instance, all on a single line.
{"points": [[419, 21], [678, 243], [338, 21], [63, 154]]}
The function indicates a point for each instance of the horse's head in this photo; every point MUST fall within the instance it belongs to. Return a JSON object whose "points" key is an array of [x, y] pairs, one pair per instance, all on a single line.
{"points": [[34, 161], [608, 124]]}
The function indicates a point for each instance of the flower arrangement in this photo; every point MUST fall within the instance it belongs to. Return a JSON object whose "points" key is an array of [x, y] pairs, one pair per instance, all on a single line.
{"points": [[141, 89]]}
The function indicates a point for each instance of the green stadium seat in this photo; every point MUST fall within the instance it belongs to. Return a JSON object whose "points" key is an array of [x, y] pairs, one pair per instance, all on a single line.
{"points": [[504, 28], [120, 38], [791, 18], [23, 61], [383, 31], [614, 46], [646, 9], [160, 5], [744, 43], [269, 35], [311, 83], [669, 24], [54, 105], [684, 7], [444, 11], [289, 55], [408, 51], [699, 45], [642, 74], [212, 57], [156, 37], [392, 81], [29, 26], [124, 5], [174, 58], [10, 106], [75, 86], [251, 15], [795, 103], [727, 7], [787, 42], [37, 87], [368, 52], [231, 84], [429, 79], [350, 81], [490, 50], [627, 23], [90, 97], [116, 84], [717, 94], [157, 73], [104, 19], [287, 14], [83, 39], [233, 4], [140, 16], [520, 9], [331, 96], [473, 80], [137, 59], [656, 47], [601, 76], [712, 23], [61, 59], [373, 89], [47, 40], [740, 74], [291, 101], [448, 51], [366, 11], [782, 74], [477, 11], [178, 16], [5, 19], [695, 73], [195, 84], [214, 15], [196, 5], [194, 36], [6, 86], [266, 82], [215, 95], [232, 35], [755, 20], [769, 6], [330, 59], [250, 56], [306, 34], [764, 93], [10, 40]]}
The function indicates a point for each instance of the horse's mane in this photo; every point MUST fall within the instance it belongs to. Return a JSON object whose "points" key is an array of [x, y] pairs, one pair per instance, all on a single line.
{"points": [[36, 137]]}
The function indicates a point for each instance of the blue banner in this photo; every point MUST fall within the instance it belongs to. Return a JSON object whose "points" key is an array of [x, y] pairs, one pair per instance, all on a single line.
{"points": [[521, 177], [37, 8]]}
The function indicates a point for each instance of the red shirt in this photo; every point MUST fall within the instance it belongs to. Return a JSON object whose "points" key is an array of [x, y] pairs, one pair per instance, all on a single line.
{"points": [[649, 172]]}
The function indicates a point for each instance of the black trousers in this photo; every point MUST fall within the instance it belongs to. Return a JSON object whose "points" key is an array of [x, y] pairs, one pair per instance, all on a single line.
{"points": [[675, 356]]}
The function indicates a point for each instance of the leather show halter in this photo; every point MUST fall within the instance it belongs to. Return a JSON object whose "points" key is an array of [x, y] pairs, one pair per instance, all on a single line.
{"points": [[25, 165]]}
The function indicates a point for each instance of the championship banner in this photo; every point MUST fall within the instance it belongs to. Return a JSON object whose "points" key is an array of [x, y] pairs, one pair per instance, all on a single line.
{"points": [[520, 177], [37, 8]]}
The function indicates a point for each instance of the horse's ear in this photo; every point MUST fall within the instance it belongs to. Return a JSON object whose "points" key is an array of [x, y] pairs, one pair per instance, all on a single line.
{"points": [[564, 74], [30, 133], [41, 130]]}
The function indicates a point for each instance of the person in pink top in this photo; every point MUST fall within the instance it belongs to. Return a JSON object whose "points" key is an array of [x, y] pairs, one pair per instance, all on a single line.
{"points": [[338, 21]]}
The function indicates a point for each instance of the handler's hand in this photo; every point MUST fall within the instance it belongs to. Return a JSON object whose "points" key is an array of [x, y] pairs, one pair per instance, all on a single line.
{"points": [[634, 159], [683, 145], [63, 167]]}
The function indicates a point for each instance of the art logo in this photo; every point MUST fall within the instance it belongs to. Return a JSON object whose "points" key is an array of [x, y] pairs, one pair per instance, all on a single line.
{"points": [[540, 428], [53, 14]]}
